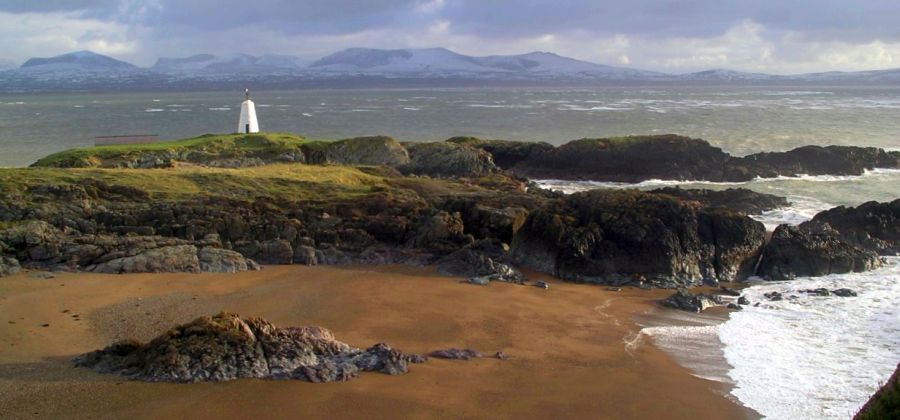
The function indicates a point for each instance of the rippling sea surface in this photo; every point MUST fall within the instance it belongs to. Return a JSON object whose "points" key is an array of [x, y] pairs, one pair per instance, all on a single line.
{"points": [[809, 357], [740, 120]]}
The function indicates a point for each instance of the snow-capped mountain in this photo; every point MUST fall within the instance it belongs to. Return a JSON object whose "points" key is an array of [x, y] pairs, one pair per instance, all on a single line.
{"points": [[236, 63], [443, 62], [365, 67], [372, 61]]}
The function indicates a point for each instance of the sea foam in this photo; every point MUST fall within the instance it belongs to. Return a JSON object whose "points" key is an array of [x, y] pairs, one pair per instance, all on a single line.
{"points": [[815, 357]]}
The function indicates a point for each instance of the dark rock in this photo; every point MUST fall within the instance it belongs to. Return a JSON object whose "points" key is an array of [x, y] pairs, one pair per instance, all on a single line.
{"points": [[810, 160], [738, 199], [873, 226], [500, 355], [226, 347], [687, 301], [734, 306], [844, 293], [441, 229], [455, 354], [729, 291], [743, 301], [476, 264], [817, 292], [276, 251], [447, 160], [628, 159], [613, 289], [631, 237], [505, 153], [812, 249], [640, 158], [774, 296], [542, 285]]}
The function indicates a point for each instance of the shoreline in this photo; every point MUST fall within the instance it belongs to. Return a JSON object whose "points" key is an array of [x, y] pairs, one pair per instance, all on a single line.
{"points": [[692, 341], [566, 345]]}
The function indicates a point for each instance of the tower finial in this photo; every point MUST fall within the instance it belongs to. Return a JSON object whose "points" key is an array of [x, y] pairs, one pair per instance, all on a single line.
{"points": [[247, 94]]}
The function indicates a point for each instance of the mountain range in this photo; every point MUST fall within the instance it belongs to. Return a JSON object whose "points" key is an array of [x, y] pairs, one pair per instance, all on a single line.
{"points": [[355, 67]]}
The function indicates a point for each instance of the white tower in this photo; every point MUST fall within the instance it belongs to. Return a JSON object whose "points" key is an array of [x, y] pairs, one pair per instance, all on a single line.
{"points": [[248, 123]]}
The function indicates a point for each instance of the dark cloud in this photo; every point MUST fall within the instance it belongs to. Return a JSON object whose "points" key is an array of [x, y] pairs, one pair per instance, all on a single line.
{"points": [[854, 21], [773, 34]]}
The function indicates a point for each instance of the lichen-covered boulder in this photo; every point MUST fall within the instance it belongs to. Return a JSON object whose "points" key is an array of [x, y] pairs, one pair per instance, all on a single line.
{"points": [[218, 260], [168, 259], [447, 160], [374, 150], [226, 347]]}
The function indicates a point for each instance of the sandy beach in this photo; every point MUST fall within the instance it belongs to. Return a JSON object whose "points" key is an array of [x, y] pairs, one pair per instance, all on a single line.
{"points": [[566, 347]]}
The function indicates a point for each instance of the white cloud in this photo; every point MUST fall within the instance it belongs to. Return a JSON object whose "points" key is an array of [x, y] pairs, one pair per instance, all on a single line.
{"points": [[28, 34], [745, 45]]}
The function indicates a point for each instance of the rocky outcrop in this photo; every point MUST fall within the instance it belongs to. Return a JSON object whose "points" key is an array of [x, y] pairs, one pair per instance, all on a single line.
{"points": [[672, 157], [440, 228], [506, 153], [8, 266], [218, 260], [275, 251], [455, 354], [41, 245], [812, 249], [627, 159], [738, 199], [445, 159], [375, 150], [488, 222], [178, 258], [227, 347], [686, 301], [873, 226], [840, 240], [631, 237], [810, 160], [480, 262]]}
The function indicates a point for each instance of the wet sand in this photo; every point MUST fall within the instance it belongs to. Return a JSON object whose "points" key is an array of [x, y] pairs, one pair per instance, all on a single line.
{"points": [[566, 347]]}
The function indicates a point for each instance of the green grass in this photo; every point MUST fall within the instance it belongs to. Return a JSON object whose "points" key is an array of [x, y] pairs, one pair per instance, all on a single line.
{"points": [[885, 404], [292, 182], [221, 144]]}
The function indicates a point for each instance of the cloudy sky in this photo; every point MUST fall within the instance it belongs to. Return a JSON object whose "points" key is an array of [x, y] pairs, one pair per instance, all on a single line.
{"points": [[775, 36]]}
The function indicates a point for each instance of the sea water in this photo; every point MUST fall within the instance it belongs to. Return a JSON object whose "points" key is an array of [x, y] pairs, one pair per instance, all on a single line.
{"points": [[805, 357], [740, 120]]}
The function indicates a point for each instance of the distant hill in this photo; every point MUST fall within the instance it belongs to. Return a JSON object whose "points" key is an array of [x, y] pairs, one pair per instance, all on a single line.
{"points": [[80, 60], [236, 63], [728, 75], [443, 62], [368, 67]]}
